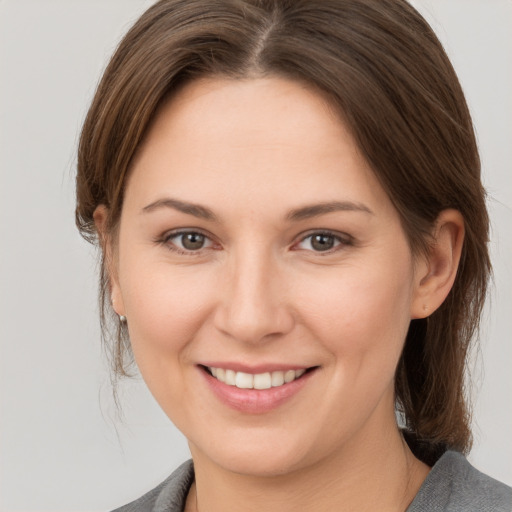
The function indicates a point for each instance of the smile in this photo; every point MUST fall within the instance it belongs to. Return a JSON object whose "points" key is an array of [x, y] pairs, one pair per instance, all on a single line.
{"points": [[265, 380], [255, 393]]}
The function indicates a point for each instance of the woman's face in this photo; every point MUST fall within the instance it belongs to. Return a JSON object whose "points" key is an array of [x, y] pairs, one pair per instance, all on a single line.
{"points": [[255, 240]]}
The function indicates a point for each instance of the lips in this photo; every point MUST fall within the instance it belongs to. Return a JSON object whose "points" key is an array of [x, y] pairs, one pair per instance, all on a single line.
{"points": [[255, 393]]}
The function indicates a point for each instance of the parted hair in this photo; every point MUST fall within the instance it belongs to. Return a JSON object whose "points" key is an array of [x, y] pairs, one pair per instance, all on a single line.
{"points": [[380, 65]]}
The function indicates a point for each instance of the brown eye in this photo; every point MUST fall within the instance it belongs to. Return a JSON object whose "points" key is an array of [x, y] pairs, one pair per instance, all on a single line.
{"points": [[187, 241], [322, 242], [192, 241]]}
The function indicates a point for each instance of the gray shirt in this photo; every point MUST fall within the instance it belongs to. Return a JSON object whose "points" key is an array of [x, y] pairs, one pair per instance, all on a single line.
{"points": [[453, 485]]}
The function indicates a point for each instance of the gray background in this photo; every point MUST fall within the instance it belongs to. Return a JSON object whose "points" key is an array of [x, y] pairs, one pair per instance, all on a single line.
{"points": [[61, 446]]}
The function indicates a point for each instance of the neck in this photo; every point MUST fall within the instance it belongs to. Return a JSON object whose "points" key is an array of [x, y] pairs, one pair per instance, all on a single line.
{"points": [[368, 475]]}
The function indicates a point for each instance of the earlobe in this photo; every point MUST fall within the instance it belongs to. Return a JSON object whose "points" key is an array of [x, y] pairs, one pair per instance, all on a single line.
{"points": [[100, 220], [117, 300], [436, 273]]}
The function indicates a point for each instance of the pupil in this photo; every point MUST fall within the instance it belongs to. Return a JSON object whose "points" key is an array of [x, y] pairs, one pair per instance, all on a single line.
{"points": [[322, 242], [192, 241]]}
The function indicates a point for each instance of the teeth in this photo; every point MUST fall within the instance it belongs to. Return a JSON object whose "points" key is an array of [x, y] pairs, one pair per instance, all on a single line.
{"points": [[230, 378], [244, 380], [262, 381], [289, 376], [277, 379]]}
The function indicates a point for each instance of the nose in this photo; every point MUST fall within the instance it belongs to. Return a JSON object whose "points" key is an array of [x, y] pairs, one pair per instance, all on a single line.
{"points": [[253, 305]]}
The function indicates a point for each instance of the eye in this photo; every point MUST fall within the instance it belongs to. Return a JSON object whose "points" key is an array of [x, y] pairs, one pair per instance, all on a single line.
{"points": [[322, 242], [187, 241]]}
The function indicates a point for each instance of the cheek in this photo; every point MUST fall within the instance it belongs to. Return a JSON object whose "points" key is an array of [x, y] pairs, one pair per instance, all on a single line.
{"points": [[362, 311], [166, 307]]}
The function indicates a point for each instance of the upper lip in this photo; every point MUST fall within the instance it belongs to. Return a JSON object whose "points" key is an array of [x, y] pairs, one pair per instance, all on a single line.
{"points": [[254, 369]]}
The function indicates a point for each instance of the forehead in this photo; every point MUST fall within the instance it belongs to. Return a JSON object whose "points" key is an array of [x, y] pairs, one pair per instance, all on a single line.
{"points": [[266, 139]]}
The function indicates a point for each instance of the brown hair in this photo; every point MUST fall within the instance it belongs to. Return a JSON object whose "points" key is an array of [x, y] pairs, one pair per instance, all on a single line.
{"points": [[380, 64]]}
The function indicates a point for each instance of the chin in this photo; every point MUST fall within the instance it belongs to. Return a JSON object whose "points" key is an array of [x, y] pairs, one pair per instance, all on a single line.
{"points": [[260, 455], [260, 465]]}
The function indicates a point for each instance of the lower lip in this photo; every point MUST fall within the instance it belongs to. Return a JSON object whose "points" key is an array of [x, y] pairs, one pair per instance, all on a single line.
{"points": [[255, 401]]}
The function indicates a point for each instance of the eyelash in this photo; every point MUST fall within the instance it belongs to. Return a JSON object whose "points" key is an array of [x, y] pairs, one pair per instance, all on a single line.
{"points": [[341, 241], [166, 241]]}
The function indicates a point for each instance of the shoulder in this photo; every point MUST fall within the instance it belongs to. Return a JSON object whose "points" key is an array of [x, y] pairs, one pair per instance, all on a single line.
{"points": [[169, 496], [454, 485]]}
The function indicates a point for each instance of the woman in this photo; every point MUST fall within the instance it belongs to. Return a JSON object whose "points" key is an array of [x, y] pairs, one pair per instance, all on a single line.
{"points": [[282, 193]]}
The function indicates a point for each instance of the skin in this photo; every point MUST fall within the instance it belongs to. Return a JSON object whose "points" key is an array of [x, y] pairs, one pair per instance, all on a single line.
{"points": [[258, 292]]}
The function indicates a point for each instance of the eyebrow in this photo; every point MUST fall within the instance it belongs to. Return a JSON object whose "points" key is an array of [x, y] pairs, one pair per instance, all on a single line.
{"points": [[196, 210], [302, 213], [315, 210]]}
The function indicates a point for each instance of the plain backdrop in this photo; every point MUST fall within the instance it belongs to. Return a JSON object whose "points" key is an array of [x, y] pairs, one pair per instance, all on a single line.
{"points": [[61, 445]]}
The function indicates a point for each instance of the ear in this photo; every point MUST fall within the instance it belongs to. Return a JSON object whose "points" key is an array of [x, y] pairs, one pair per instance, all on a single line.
{"points": [[435, 274], [100, 217]]}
